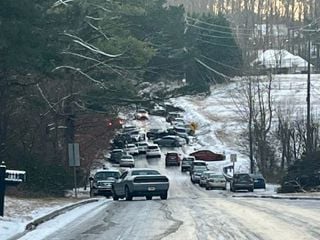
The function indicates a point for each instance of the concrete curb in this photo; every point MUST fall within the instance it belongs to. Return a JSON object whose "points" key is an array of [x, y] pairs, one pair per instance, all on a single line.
{"points": [[278, 197], [33, 224]]}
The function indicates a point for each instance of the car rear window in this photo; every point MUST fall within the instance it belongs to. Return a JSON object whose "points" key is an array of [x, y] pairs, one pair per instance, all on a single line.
{"points": [[172, 154], [144, 172], [199, 164], [243, 177], [152, 147], [106, 175]]}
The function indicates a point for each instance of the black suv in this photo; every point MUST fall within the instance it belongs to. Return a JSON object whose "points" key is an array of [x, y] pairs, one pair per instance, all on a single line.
{"points": [[241, 181], [101, 183]]}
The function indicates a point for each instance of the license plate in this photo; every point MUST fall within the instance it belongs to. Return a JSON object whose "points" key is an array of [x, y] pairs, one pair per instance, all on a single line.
{"points": [[151, 188]]}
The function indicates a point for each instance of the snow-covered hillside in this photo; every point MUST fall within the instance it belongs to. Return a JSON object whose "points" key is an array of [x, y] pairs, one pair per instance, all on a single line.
{"points": [[221, 122]]}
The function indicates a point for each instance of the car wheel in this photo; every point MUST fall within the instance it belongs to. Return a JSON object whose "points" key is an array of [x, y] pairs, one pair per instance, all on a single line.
{"points": [[114, 195], [164, 196], [224, 188], [193, 181], [251, 190], [128, 194], [149, 197], [207, 188]]}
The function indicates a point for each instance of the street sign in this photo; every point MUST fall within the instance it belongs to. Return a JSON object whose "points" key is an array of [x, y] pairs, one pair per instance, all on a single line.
{"points": [[233, 158], [74, 155]]}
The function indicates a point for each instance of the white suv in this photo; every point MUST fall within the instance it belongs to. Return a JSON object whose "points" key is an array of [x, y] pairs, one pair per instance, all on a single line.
{"points": [[142, 147], [153, 150]]}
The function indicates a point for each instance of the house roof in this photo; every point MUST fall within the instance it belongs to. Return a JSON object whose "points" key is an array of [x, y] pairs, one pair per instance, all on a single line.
{"points": [[274, 58]]}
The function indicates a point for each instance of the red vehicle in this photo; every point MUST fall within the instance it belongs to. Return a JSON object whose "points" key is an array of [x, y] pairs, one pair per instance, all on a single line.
{"points": [[172, 158], [207, 155]]}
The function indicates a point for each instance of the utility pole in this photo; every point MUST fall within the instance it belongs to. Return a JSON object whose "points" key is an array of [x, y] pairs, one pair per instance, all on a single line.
{"points": [[250, 128], [309, 140]]}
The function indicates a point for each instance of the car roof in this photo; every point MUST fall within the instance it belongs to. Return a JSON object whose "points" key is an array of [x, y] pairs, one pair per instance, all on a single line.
{"points": [[142, 169], [108, 170], [199, 161], [153, 145], [117, 150]]}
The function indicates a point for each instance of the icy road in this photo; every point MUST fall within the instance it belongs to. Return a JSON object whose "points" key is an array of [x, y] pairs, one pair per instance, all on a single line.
{"points": [[191, 213], [194, 213]]}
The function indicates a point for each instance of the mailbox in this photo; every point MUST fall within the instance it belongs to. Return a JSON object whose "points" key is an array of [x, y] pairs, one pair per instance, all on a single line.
{"points": [[10, 178]]}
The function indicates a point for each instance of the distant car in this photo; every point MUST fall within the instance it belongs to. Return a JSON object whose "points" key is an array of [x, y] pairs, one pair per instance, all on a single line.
{"points": [[129, 128], [142, 182], [158, 111], [197, 163], [177, 121], [172, 158], [116, 155], [204, 177], [215, 180], [172, 115], [182, 132], [142, 114], [127, 161], [258, 181], [101, 182], [131, 149], [197, 172], [207, 155], [153, 133], [186, 163], [241, 181], [142, 147], [153, 150], [170, 141], [137, 136]]}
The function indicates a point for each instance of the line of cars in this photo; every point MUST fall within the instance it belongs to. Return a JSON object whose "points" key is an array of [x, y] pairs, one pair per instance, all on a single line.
{"points": [[137, 182]]}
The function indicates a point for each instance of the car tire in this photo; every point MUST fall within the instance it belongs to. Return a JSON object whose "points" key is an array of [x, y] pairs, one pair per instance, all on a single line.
{"points": [[164, 196], [207, 188], [224, 188], [251, 190], [114, 195], [149, 197], [128, 194]]}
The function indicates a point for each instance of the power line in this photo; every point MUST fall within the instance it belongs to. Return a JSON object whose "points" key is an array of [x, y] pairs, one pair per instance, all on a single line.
{"points": [[216, 44], [211, 69], [220, 63]]}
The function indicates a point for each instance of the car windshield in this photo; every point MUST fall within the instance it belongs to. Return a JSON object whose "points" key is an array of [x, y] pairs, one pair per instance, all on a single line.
{"points": [[221, 177], [199, 163], [106, 175], [145, 172], [127, 157]]}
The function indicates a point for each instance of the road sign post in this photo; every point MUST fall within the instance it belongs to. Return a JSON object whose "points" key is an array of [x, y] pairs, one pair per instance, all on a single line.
{"points": [[233, 159], [74, 161]]}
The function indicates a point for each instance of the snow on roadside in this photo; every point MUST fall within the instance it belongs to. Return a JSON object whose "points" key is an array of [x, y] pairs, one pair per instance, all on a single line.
{"points": [[18, 212], [81, 213]]}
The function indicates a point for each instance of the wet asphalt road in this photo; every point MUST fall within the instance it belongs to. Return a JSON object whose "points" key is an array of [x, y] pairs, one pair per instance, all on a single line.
{"points": [[191, 212]]}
